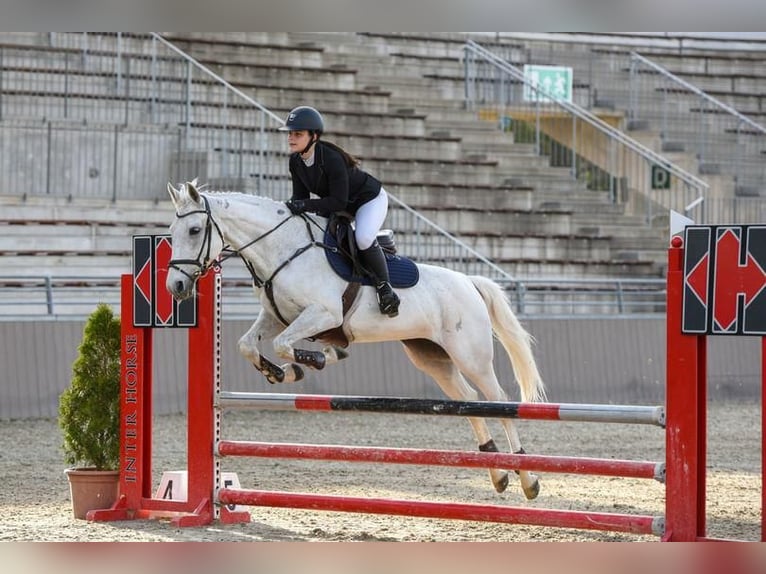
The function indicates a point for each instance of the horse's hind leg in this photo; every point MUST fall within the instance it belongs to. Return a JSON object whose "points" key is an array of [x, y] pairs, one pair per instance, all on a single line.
{"points": [[434, 361], [485, 379]]}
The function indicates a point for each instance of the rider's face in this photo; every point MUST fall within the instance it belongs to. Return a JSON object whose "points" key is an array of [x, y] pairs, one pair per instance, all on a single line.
{"points": [[298, 140]]}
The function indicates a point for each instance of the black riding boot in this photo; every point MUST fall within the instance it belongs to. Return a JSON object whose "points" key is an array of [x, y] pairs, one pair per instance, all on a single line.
{"points": [[375, 262]]}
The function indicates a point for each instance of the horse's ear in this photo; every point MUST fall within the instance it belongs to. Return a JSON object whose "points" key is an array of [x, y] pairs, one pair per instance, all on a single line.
{"points": [[191, 187], [175, 195]]}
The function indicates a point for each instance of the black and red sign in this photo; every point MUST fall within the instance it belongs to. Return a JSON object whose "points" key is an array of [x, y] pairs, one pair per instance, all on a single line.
{"points": [[153, 306], [725, 280]]}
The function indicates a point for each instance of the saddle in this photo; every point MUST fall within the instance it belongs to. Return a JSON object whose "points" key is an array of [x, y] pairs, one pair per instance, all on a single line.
{"points": [[342, 254]]}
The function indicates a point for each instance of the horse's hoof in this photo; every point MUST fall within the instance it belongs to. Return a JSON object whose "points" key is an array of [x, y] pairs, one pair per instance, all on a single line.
{"points": [[532, 490], [298, 372], [273, 373], [501, 484], [340, 353]]}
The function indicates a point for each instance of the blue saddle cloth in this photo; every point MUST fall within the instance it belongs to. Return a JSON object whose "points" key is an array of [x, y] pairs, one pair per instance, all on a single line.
{"points": [[402, 271]]}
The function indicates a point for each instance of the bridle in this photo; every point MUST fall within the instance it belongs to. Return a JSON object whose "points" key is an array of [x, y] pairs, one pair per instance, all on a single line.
{"points": [[201, 263]]}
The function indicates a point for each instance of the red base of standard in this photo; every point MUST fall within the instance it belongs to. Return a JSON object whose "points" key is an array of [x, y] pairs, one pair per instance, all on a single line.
{"points": [[200, 516], [234, 517]]}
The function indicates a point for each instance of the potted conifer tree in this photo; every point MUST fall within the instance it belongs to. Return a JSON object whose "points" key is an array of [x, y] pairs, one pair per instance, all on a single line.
{"points": [[89, 415]]}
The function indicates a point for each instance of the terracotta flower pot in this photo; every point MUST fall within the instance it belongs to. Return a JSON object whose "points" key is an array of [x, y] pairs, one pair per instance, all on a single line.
{"points": [[92, 489]]}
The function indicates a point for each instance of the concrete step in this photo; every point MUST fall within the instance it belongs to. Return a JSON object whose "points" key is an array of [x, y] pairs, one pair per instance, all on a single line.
{"points": [[211, 47], [540, 247], [475, 197], [444, 44], [359, 100], [402, 147], [80, 238], [121, 213], [463, 172], [464, 220]]}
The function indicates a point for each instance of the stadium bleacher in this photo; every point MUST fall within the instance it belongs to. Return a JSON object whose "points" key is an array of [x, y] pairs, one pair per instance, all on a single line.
{"points": [[395, 100]]}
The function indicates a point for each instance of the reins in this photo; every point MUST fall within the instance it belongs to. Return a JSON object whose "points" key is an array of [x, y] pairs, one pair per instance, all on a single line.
{"points": [[203, 265]]}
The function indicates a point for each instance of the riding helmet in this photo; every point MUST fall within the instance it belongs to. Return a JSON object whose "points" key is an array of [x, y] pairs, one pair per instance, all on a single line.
{"points": [[304, 118]]}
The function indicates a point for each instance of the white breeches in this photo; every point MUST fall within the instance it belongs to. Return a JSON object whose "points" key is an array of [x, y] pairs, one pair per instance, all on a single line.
{"points": [[369, 218]]}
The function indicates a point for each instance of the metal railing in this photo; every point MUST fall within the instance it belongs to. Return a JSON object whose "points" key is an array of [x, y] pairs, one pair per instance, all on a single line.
{"points": [[728, 71], [723, 140], [50, 297], [599, 155]]}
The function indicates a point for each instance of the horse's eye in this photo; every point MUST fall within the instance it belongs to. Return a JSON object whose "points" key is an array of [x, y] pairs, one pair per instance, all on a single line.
{"points": [[194, 230]]}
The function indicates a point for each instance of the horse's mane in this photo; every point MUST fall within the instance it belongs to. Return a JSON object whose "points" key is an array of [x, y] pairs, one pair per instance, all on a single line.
{"points": [[239, 196]]}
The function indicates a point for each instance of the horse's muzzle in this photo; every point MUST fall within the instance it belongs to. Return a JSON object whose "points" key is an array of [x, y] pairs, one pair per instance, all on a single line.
{"points": [[180, 289]]}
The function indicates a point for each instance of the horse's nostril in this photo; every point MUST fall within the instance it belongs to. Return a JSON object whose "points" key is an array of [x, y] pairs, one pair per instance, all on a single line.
{"points": [[179, 286]]}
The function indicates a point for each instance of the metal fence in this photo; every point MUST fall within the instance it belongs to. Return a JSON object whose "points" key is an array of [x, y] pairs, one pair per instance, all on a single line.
{"points": [[600, 156], [41, 297]]}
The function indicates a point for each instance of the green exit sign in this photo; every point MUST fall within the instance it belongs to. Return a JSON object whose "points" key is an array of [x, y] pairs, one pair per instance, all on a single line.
{"points": [[547, 83], [660, 177]]}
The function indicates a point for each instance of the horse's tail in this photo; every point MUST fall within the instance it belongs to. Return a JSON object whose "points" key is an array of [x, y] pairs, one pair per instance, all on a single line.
{"points": [[515, 339]]}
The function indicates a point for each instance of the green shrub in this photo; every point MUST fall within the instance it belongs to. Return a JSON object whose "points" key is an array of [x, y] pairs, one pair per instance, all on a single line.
{"points": [[89, 409]]}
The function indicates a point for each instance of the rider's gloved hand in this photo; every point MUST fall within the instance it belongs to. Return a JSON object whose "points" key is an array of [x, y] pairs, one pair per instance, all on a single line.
{"points": [[296, 206]]}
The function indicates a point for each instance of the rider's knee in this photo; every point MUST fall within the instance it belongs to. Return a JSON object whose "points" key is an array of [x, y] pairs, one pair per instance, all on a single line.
{"points": [[365, 238]]}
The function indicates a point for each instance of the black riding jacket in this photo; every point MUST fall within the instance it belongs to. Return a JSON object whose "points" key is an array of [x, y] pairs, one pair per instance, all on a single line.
{"points": [[339, 187]]}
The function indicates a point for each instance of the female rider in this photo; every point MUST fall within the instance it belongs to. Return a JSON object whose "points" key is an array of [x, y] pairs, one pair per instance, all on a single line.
{"points": [[327, 171]]}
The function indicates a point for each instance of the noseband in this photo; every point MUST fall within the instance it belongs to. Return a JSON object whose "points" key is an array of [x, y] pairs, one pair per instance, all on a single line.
{"points": [[201, 264]]}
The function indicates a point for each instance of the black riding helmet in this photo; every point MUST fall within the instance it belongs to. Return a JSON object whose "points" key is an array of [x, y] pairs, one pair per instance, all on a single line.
{"points": [[304, 118]]}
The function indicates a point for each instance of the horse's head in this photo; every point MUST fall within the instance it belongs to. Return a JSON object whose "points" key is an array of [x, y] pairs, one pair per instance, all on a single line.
{"points": [[196, 239]]}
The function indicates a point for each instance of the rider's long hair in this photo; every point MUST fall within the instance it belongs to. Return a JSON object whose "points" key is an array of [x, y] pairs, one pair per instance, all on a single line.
{"points": [[350, 160]]}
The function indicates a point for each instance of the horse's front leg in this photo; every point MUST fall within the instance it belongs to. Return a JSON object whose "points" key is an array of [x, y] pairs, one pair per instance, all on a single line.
{"points": [[266, 328], [313, 320]]}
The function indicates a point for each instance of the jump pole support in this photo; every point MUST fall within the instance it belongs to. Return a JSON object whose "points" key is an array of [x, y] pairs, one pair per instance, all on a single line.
{"points": [[135, 498], [685, 426], [686, 404]]}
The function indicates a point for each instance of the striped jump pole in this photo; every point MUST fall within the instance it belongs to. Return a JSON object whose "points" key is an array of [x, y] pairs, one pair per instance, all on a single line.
{"points": [[650, 415]]}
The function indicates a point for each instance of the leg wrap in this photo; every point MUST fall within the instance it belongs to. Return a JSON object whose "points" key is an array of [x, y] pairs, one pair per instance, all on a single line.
{"points": [[314, 359]]}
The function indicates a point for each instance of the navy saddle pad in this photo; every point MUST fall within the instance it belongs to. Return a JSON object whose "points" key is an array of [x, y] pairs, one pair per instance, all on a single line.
{"points": [[402, 271]]}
